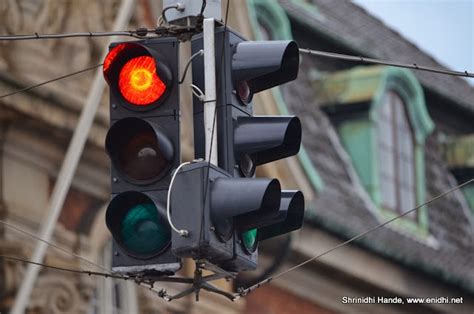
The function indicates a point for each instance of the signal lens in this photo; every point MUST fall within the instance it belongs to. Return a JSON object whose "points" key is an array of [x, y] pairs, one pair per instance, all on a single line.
{"points": [[244, 92], [139, 150], [140, 157], [143, 231], [138, 82], [246, 166], [249, 240]]}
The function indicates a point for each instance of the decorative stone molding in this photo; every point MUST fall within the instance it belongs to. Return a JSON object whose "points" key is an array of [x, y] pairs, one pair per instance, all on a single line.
{"points": [[58, 294]]}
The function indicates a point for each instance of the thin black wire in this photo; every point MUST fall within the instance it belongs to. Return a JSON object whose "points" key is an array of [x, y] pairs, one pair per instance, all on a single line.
{"points": [[414, 66], [140, 281], [77, 271], [50, 81], [64, 250], [203, 7], [142, 32], [214, 119], [134, 33], [244, 292]]}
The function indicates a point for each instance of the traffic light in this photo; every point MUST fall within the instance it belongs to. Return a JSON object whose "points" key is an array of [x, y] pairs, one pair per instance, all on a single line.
{"points": [[143, 144], [213, 204], [233, 210]]}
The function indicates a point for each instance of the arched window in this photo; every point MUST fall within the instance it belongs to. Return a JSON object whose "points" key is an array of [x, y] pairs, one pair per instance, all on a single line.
{"points": [[395, 153]]}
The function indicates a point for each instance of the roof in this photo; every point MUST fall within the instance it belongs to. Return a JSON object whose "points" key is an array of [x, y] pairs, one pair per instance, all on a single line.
{"points": [[449, 252], [358, 31], [448, 257]]}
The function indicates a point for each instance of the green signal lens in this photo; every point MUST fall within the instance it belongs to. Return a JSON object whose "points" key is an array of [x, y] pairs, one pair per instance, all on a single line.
{"points": [[143, 231], [249, 240]]}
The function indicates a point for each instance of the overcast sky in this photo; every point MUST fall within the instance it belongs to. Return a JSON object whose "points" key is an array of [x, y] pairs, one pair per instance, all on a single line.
{"points": [[443, 28]]}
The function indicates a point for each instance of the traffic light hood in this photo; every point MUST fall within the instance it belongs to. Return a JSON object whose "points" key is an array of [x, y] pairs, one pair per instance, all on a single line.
{"points": [[265, 64], [248, 201], [267, 138], [290, 216]]}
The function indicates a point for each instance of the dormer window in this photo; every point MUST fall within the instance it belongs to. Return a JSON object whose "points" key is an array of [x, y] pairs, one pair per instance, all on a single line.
{"points": [[380, 114], [395, 154]]}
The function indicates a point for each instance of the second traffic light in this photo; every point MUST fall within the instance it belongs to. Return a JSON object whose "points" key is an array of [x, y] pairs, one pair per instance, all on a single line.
{"points": [[143, 144], [244, 68]]}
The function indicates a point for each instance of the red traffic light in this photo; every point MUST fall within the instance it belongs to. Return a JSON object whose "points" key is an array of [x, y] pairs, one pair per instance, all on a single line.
{"points": [[137, 74], [138, 82]]}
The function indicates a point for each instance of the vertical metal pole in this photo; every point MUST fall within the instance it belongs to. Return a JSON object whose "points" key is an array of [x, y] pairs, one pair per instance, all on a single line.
{"points": [[210, 90], [68, 169]]}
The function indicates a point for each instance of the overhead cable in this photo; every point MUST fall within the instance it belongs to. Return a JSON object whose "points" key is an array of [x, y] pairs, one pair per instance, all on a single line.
{"points": [[361, 59]]}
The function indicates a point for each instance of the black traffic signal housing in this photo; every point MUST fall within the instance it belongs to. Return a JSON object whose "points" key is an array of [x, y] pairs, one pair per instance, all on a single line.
{"points": [[233, 205], [143, 143], [206, 201]]}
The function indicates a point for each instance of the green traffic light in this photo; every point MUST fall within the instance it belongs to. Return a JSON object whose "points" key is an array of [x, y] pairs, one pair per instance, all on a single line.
{"points": [[143, 231], [249, 240]]}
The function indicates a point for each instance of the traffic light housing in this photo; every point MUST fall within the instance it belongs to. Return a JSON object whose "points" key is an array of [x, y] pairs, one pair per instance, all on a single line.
{"points": [[143, 144], [215, 202], [243, 68]]}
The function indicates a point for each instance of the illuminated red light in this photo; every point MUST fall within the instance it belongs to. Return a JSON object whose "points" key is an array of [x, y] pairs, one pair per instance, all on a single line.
{"points": [[130, 70], [138, 82], [109, 59]]}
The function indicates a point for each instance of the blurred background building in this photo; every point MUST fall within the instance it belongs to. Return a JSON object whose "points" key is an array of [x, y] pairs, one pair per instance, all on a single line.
{"points": [[377, 141]]}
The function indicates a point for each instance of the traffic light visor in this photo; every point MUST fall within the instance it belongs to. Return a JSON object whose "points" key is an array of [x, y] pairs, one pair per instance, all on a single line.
{"points": [[290, 217], [137, 74], [247, 201], [139, 150], [265, 64], [266, 138], [137, 225]]}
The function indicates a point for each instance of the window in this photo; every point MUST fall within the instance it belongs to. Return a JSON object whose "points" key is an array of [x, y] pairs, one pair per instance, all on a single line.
{"points": [[395, 153], [380, 114]]}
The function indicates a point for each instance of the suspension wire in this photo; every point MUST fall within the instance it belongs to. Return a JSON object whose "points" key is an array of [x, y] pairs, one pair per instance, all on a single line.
{"points": [[57, 247], [51, 80], [414, 66], [140, 281], [70, 270], [243, 292], [138, 33], [143, 32]]}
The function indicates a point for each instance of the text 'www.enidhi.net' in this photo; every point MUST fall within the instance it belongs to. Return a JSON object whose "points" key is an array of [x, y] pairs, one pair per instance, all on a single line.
{"points": [[399, 300]]}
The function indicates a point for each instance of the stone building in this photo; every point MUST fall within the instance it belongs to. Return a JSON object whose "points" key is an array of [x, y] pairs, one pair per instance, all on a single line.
{"points": [[377, 141]]}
